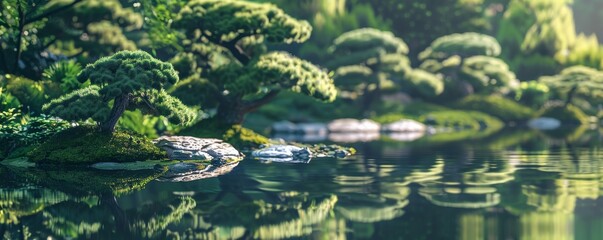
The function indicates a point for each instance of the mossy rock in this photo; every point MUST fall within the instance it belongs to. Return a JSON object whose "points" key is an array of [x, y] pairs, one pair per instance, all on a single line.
{"points": [[237, 135], [505, 109], [568, 115], [85, 145]]}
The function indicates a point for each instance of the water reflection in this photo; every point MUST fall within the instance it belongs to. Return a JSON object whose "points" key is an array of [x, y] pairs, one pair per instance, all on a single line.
{"points": [[514, 185]]}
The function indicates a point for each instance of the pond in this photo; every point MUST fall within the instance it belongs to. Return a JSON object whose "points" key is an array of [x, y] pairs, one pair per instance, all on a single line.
{"points": [[516, 184]]}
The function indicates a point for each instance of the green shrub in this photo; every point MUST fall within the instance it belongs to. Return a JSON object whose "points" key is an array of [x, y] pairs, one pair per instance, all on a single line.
{"points": [[87, 145], [497, 106], [569, 114], [18, 131], [461, 120], [31, 94], [391, 117]]}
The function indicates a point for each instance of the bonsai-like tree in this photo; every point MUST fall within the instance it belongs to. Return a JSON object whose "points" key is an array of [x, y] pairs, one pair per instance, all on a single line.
{"points": [[578, 81], [367, 61], [468, 64], [128, 80], [251, 79]]}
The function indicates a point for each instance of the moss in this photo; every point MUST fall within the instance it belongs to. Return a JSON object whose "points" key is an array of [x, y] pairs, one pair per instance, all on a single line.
{"points": [[87, 145], [237, 135], [569, 115], [461, 120], [391, 117], [505, 109]]}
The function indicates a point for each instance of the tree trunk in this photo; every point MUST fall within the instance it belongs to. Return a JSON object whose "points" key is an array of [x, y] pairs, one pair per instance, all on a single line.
{"points": [[19, 37], [570, 95], [119, 107], [122, 224], [231, 113]]}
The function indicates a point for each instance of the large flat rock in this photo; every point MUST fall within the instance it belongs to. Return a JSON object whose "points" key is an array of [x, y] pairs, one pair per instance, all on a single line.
{"points": [[192, 148]]}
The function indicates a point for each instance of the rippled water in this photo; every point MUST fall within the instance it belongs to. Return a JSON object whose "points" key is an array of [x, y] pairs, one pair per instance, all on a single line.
{"points": [[517, 184]]}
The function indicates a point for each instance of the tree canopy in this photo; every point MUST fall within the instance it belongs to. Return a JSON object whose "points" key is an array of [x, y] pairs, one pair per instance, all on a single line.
{"points": [[469, 65], [366, 61], [463, 45], [252, 77], [577, 81], [131, 79]]}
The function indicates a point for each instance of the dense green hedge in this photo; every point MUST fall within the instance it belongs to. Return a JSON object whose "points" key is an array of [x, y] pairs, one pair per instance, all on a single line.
{"points": [[505, 109]]}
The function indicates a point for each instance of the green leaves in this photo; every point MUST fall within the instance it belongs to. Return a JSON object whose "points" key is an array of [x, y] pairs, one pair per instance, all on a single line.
{"points": [[367, 38], [225, 20], [134, 74], [80, 105], [463, 45], [275, 71], [127, 72]]}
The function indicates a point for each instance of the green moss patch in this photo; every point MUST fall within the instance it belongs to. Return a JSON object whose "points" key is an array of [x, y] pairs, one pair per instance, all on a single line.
{"points": [[85, 145], [462, 120], [568, 115], [237, 135], [505, 109]]}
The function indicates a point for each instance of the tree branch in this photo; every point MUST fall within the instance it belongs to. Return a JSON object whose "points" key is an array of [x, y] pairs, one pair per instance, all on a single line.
{"points": [[232, 47], [51, 12], [255, 104], [20, 36]]}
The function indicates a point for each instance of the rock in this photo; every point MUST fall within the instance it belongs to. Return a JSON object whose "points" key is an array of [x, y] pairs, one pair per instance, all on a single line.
{"points": [[312, 128], [292, 137], [334, 151], [192, 148], [348, 125], [544, 123], [283, 153], [301, 128], [187, 172], [405, 136], [354, 137], [284, 127], [404, 125]]}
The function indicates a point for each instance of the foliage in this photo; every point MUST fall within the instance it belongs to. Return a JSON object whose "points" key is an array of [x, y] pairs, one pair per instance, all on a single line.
{"points": [[505, 109], [423, 21], [366, 61], [533, 94], [540, 38], [463, 45], [31, 94], [577, 81], [39, 32], [567, 114], [251, 78], [237, 135], [462, 120], [134, 80], [84, 145], [468, 65], [92, 29], [424, 83], [17, 131], [8, 101], [64, 73]]}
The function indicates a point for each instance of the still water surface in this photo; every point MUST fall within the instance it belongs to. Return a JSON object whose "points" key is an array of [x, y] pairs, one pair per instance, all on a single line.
{"points": [[517, 184]]}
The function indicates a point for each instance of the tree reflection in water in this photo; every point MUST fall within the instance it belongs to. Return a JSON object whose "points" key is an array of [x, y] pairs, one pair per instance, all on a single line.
{"points": [[515, 185]]}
